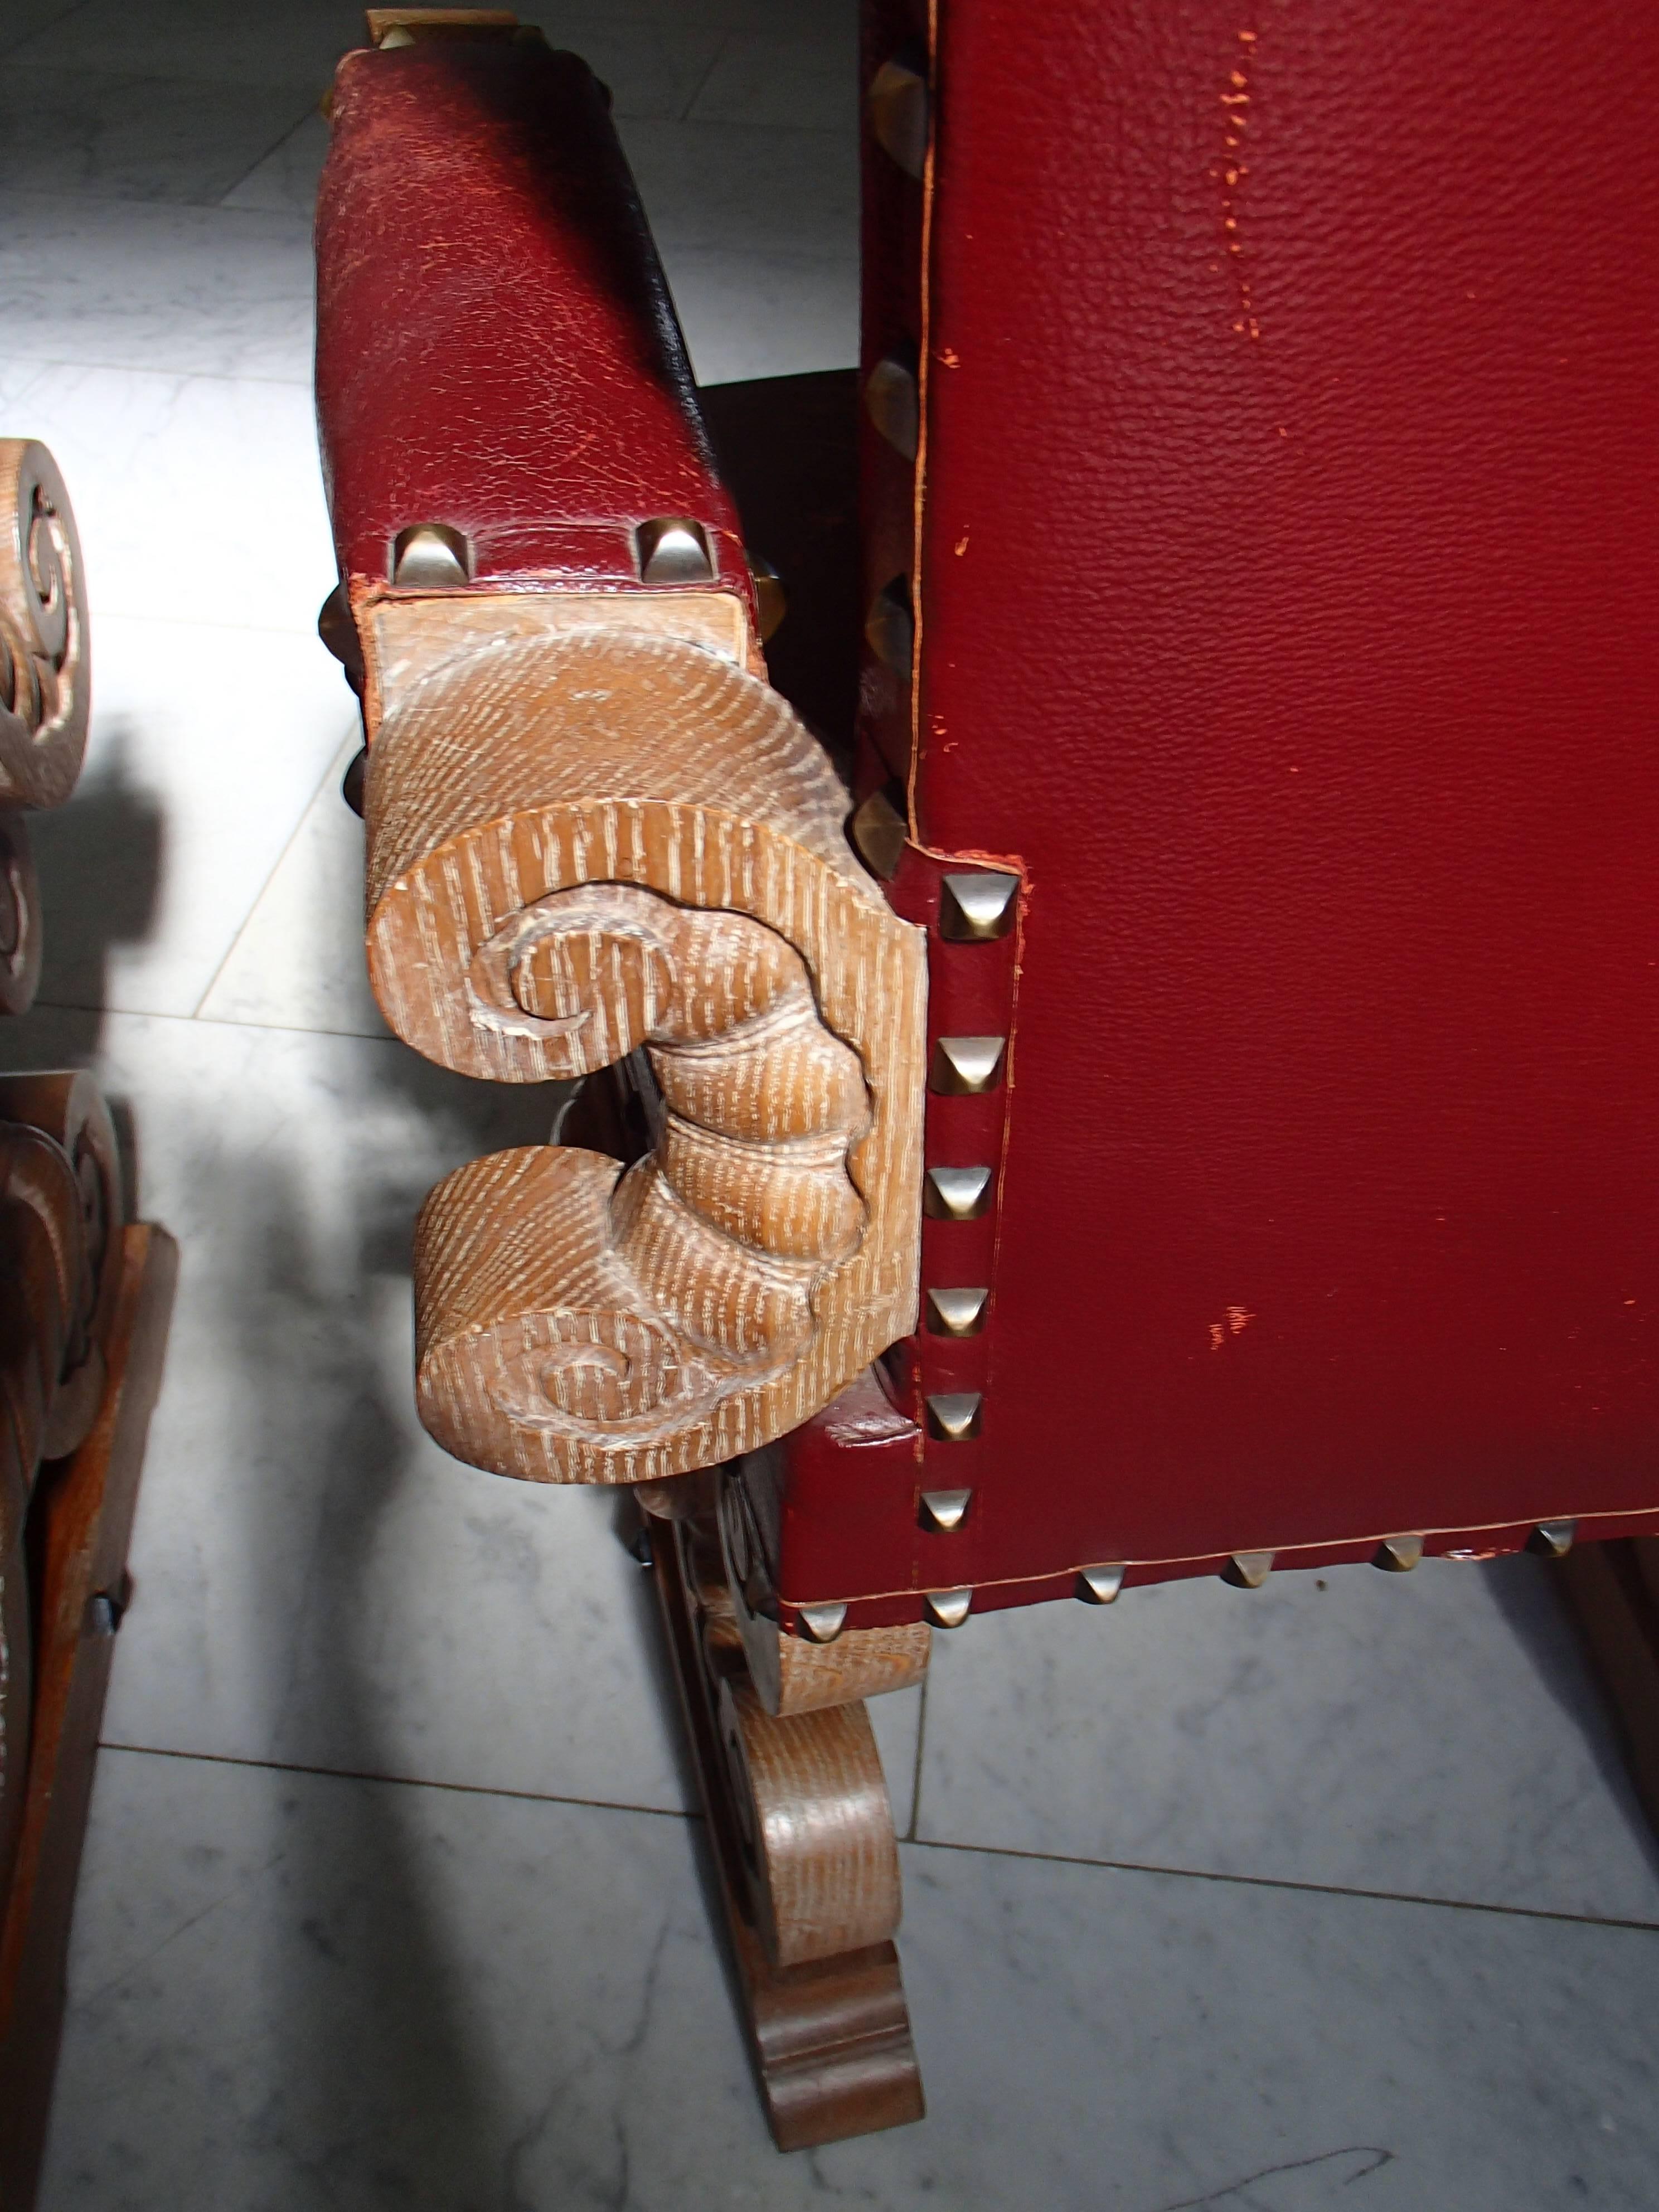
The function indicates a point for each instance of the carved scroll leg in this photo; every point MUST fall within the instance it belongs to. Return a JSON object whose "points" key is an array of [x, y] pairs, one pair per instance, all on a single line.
{"points": [[803, 1837]]}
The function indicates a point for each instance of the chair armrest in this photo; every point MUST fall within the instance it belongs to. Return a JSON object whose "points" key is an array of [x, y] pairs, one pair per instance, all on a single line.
{"points": [[594, 831]]}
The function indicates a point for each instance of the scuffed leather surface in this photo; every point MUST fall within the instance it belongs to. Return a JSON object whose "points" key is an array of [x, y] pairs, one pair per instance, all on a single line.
{"points": [[1311, 674], [496, 346]]}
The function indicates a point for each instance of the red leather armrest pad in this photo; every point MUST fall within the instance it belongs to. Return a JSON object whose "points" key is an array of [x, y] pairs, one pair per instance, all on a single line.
{"points": [[496, 349]]}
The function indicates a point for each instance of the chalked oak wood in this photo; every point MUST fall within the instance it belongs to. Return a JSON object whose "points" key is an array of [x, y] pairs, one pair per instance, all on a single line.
{"points": [[802, 1839], [604, 849], [587, 845], [84, 1300], [79, 1529]]}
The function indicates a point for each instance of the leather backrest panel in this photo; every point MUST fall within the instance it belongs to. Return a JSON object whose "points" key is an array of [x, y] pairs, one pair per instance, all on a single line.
{"points": [[496, 346], [1287, 606]]}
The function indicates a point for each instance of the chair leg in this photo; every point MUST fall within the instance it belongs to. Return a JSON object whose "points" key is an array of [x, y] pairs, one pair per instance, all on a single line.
{"points": [[802, 1835]]}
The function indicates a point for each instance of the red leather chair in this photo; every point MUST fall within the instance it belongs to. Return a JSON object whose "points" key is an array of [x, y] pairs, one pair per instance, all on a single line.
{"points": [[1255, 719]]}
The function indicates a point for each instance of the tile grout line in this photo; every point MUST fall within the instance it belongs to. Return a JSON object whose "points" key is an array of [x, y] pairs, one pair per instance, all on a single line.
{"points": [[397, 1781], [1287, 1883], [208, 1021], [915, 1770], [246, 922], [919, 1842]]}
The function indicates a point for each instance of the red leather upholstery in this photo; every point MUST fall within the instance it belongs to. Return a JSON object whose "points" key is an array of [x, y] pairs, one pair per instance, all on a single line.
{"points": [[496, 347], [1285, 559]]}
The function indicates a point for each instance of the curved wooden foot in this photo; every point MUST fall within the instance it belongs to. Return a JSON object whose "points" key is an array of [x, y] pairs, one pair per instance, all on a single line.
{"points": [[802, 1838]]}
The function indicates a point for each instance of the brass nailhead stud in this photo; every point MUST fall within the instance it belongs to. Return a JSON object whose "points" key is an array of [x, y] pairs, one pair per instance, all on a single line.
{"points": [[1398, 1555], [673, 550], [948, 1608], [878, 831], [897, 105], [889, 628], [957, 1194], [1099, 1585], [962, 1067], [823, 1623], [1247, 1570], [891, 401], [943, 1510], [771, 600], [953, 1415], [973, 909], [956, 1312], [431, 557], [1553, 1540]]}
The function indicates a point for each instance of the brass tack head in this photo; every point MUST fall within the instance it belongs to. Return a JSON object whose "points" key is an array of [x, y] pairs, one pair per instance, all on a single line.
{"points": [[1099, 1585], [1247, 1570], [948, 1608], [823, 1623], [974, 909], [335, 626], [891, 402], [771, 600], [956, 1312], [430, 557], [953, 1415], [878, 830], [1553, 1540], [897, 105], [943, 1510], [962, 1067], [957, 1194], [1398, 1555], [889, 628], [674, 549]]}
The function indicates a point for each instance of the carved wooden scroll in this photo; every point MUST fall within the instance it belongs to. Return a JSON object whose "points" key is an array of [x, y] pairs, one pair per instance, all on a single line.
{"points": [[802, 1838], [44, 680], [593, 843], [44, 660]]}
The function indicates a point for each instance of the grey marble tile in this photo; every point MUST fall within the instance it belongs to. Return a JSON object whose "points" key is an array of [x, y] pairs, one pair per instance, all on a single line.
{"points": [[218, 42], [286, 181], [771, 77], [1435, 1734], [752, 314], [20, 19], [746, 189], [199, 498], [206, 749], [299, 961], [119, 137], [128, 284], [297, 1991], [316, 1581], [655, 67]]}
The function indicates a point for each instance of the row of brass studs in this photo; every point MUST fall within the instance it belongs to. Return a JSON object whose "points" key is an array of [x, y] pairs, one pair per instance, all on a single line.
{"points": [[670, 549], [1395, 1555], [977, 909]]}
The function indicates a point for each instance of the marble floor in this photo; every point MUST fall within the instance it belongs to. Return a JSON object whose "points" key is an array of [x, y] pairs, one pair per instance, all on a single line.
{"points": [[1245, 1903]]}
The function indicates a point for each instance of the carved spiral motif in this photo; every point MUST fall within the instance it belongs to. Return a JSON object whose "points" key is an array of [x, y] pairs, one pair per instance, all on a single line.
{"points": [[576, 1322], [44, 660]]}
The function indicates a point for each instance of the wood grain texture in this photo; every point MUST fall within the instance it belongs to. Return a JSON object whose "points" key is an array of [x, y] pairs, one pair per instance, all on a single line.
{"points": [[82, 1522], [66, 1105], [22, 942], [584, 846], [829, 2034], [45, 659], [1611, 1590], [42, 1278]]}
